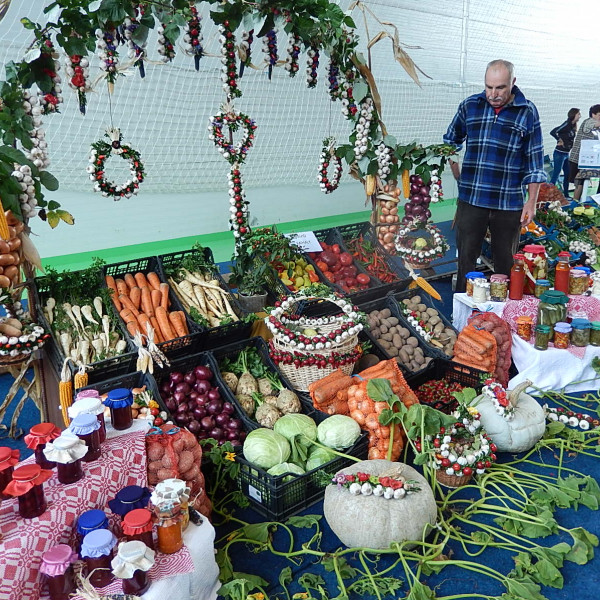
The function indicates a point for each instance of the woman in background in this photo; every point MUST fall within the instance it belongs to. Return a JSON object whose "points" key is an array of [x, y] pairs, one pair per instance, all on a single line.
{"points": [[564, 134]]}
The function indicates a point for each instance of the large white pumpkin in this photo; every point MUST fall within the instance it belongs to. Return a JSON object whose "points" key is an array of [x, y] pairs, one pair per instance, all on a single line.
{"points": [[522, 432], [373, 521]]}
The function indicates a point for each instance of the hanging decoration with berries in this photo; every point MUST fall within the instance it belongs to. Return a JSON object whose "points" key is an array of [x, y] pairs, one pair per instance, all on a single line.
{"points": [[293, 51], [245, 50], [135, 52], [166, 48], [101, 151], [50, 66], [312, 66], [349, 107], [106, 45], [192, 38], [270, 49], [77, 71], [229, 68], [328, 157], [335, 91]]}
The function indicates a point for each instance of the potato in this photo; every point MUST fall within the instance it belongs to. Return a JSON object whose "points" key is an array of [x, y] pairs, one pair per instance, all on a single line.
{"points": [[383, 328], [166, 461], [190, 474], [393, 321], [404, 332], [376, 333], [421, 307], [438, 327], [154, 466], [428, 359], [407, 301], [186, 461], [386, 313], [163, 474], [432, 312], [178, 445], [434, 320], [402, 354], [155, 453], [409, 349], [397, 341], [416, 300], [412, 341]]}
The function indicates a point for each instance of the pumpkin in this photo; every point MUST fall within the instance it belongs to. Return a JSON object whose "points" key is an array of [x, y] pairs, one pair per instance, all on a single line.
{"points": [[374, 521], [523, 431]]}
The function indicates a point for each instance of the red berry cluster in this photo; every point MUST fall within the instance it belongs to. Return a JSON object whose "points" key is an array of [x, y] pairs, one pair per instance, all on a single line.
{"points": [[350, 109], [239, 218], [78, 80], [581, 416], [302, 339], [229, 76], [195, 37], [49, 67], [299, 359], [293, 54], [327, 156], [438, 394]]}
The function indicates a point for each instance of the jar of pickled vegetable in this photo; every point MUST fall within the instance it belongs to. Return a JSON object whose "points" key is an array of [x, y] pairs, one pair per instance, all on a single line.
{"points": [[562, 335], [536, 266], [578, 282], [89, 405], [97, 551], [37, 439], [541, 286], [595, 333], [481, 290], [90, 520], [580, 335], [552, 308], [471, 277], [498, 287], [542, 337], [137, 525], [67, 451], [8, 459], [128, 499], [524, 327], [57, 566], [87, 428], [28, 486], [131, 564], [119, 401], [175, 490]]}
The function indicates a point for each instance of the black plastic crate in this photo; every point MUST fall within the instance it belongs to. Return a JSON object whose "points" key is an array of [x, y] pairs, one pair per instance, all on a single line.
{"points": [[428, 301], [97, 371], [211, 336], [278, 499], [172, 348]]}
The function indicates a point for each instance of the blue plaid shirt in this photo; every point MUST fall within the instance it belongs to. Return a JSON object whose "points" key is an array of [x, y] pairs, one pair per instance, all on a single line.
{"points": [[504, 151]]}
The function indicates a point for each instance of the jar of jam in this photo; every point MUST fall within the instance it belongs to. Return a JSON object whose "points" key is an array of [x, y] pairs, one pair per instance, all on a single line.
{"points": [[552, 308], [131, 564], [67, 451], [541, 286], [481, 290], [87, 428], [28, 486], [8, 459], [97, 551], [173, 490], [524, 327], [128, 499], [119, 401], [89, 521], [578, 282], [137, 525], [536, 266], [470, 277], [498, 287], [168, 519], [57, 566], [594, 334], [542, 337], [89, 405], [562, 335], [36, 440], [580, 334]]}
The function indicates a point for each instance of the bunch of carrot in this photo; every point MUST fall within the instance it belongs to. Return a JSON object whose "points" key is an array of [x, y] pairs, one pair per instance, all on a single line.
{"points": [[476, 348], [141, 300]]}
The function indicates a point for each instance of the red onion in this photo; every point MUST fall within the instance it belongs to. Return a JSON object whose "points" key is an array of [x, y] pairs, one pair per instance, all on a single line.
{"points": [[214, 407], [190, 378], [176, 377], [165, 388], [231, 435], [193, 395], [221, 419], [183, 387], [183, 407], [202, 386], [199, 412], [228, 408], [214, 394], [194, 426], [180, 397], [216, 433], [202, 372], [235, 424], [182, 419], [171, 404], [207, 423]]}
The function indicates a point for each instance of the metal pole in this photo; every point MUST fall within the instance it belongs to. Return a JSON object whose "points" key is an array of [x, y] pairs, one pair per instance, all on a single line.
{"points": [[463, 41]]}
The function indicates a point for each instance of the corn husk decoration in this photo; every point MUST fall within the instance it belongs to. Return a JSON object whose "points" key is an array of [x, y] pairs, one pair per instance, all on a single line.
{"points": [[65, 392], [421, 282]]}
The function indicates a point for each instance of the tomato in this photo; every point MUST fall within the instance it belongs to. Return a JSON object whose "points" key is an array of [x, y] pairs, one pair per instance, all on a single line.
{"points": [[335, 248], [363, 279], [351, 282], [154, 411], [158, 421], [336, 267], [346, 259]]}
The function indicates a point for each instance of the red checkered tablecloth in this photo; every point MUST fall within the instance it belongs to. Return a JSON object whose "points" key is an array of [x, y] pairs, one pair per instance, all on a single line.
{"points": [[123, 462]]}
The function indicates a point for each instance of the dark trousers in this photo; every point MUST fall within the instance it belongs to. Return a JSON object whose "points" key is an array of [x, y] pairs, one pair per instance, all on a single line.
{"points": [[471, 224]]}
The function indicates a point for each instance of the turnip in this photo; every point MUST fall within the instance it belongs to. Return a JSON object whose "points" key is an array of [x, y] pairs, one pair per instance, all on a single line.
{"points": [[230, 379]]}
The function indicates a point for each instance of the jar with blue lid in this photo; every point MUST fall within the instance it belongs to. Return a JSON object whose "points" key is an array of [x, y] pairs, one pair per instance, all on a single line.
{"points": [[119, 402], [89, 521], [129, 498], [580, 336], [97, 551], [541, 286], [470, 277], [87, 428]]}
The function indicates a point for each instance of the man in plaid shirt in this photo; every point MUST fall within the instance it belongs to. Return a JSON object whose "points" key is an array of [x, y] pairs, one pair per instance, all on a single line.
{"points": [[504, 153]]}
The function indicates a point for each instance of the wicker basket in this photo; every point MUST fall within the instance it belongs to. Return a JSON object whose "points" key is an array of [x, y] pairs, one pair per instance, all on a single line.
{"points": [[452, 481], [302, 376]]}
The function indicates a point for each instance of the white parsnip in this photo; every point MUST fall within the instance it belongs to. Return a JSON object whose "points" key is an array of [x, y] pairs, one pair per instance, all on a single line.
{"points": [[98, 306], [86, 311], [77, 314], [50, 306]]}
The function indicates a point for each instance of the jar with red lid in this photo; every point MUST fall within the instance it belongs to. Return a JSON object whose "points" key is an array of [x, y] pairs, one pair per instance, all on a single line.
{"points": [[28, 486], [37, 438], [8, 459], [97, 551], [57, 566], [87, 428], [89, 405], [67, 451], [131, 564], [119, 401], [129, 498], [137, 525], [536, 266]]}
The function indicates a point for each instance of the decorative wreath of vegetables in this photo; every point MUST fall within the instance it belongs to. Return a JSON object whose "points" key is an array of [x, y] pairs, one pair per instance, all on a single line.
{"points": [[228, 68], [390, 488], [101, 150], [421, 249], [327, 157], [300, 359], [499, 397], [568, 417], [239, 205], [233, 120], [17, 335]]}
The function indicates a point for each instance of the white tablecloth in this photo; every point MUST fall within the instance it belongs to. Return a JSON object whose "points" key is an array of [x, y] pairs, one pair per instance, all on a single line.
{"points": [[463, 305]]}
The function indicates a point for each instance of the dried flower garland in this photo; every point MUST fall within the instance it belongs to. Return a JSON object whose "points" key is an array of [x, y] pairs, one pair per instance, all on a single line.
{"points": [[335, 92], [101, 150], [166, 49], [49, 101], [270, 49], [293, 51], [568, 417], [245, 50], [390, 488], [361, 142], [77, 70], [228, 69], [192, 38], [312, 65], [107, 53], [234, 121], [239, 205], [328, 156]]}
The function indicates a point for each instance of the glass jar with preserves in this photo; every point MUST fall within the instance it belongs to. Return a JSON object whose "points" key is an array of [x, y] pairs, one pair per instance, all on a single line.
{"points": [[137, 525], [481, 291], [89, 405], [57, 566], [471, 277], [168, 520], [28, 486], [128, 499], [89, 521], [552, 308], [498, 287], [536, 266], [578, 282], [67, 451], [8, 459], [541, 286], [517, 278], [39, 435], [119, 401], [131, 564], [87, 428], [561, 272], [595, 333], [173, 490], [580, 335], [97, 551], [562, 335], [542, 337], [524, 327]]}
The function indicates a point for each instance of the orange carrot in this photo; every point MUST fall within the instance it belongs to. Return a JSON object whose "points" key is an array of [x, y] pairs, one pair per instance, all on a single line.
{"points": [[122, 287], [164, 290], [153, 280], [143, 320], [135, 295], [127, 315], [140, 280], [129, 280], [156, 297], [110, 283], [178, 326], [133, 328], [127, 303], [163, 322], [147, 302], [158, 338]]}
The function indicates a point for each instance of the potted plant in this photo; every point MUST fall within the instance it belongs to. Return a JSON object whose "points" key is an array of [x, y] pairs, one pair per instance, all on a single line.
{"points": [[250, 277]]}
